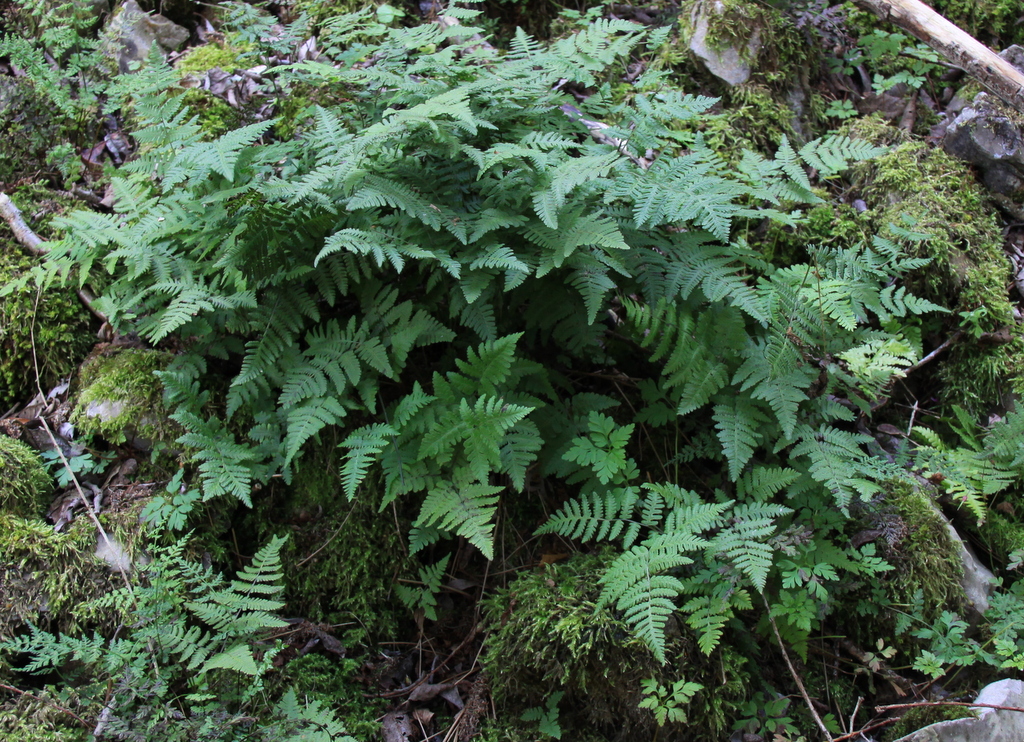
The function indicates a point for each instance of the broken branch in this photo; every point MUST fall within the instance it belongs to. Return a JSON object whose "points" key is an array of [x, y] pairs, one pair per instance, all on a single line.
{"points": [[894, 706], [34, 244], [956, 45]]}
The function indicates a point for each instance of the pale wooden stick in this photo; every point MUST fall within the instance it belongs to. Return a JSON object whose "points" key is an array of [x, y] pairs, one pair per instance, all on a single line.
{"points": [[32, 242], [956, 45]]}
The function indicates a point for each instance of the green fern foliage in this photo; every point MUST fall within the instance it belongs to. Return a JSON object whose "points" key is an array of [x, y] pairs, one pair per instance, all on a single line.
{"points": [[184, 625], [480, 282]]}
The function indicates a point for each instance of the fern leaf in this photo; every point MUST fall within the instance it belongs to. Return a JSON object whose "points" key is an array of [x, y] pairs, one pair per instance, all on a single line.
{"points": [[463, 507], [364, 447], [307, 420], [739, 424]]}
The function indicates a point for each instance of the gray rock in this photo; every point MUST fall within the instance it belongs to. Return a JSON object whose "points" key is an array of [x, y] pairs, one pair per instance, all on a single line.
{"points": [[730, 63], [978, 582], [113, 553], [986, 134], [1014, 55], [109, 410], [992, 725], [136, 32]]}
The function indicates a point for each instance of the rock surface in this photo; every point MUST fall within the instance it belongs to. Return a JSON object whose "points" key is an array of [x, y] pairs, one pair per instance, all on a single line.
{"points": [[978, 582], [136, 32], [730, 63], [992, 725], [988, 135]]}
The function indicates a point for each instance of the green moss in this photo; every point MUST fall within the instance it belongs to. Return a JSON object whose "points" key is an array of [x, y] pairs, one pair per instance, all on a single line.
{"points": [[204, 58], [53, 320], [935, 194], [25, 486], [124, 383], [995, 22], [333, 683], [939, 196], [925, 557], [755, 118], [342, 557], [293, 113], [545, 632], [216, 117], [979, 377], [47, 578], [26, 718], [1001, 535], [923, 716]]}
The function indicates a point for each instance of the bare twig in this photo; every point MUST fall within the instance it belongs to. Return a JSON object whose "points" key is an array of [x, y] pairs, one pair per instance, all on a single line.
{"points": [[868, 728], [853, 716], [931, 356], [793, 673], [48, 702], [894, 706], [597, 133], [86, 503], [329, 538], [34, 244]]}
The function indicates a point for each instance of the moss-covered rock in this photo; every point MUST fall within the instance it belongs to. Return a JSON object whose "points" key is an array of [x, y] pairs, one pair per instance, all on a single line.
{"points": [[120, 399], [225, 56], [918, 718], [937, 194], [545, 632], [922, 549], [215, 116], [918, 187], [39, 717], [52, 321], [766, 39], [47, 578], [25, 486]]}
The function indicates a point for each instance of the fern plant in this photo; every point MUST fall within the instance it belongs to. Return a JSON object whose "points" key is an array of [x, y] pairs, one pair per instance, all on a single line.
{"points": [[189, 657], [443, 257]]}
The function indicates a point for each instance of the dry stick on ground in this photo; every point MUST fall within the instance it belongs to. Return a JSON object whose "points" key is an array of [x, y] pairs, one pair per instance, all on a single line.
{"points": [[931, 356], [792, 671], [24, 234], [868, 728], [86, 502], [49, 703], [902, 684], [894, 706], [956, 45], [105, 714]]}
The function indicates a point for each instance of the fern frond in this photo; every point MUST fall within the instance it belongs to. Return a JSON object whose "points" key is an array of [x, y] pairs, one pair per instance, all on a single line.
{"points": [[364, 446], [739, 423], [465, 508]]}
